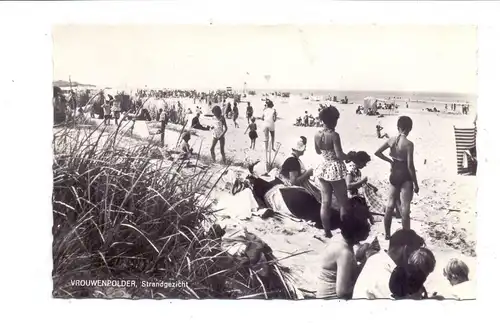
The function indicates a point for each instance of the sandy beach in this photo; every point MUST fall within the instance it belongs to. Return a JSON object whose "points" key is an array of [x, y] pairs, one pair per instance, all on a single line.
{"points": [[444, 212]]}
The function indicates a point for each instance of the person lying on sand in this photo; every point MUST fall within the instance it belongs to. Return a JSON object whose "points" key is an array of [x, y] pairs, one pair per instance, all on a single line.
{"points": [[403, 178], [339, 268], [373, 281]]}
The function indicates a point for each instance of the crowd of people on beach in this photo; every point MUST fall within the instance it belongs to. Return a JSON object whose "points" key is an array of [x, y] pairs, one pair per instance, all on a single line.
{"points": [[334, 193], [349, 268]]}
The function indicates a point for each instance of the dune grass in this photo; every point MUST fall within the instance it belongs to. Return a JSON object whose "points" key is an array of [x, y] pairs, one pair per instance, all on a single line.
{"points": [[120, 215]]}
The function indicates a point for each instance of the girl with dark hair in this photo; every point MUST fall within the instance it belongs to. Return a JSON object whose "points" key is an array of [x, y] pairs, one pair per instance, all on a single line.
{"points": [[403, 178], [339, 268], [332, 172]]}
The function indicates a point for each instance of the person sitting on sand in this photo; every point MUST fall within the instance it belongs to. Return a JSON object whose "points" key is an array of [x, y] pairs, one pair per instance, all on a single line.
{"points": [[298, 121], [253, 133], [339, 268], [373, 280], [219, 132], [403, 178], [379, 130], [294, 173], [332, 172], [186, 150], [457, 273], [407, 280], [195, 123]]}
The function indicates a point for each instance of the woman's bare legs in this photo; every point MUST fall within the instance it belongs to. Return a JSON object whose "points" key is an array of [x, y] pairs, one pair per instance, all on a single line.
{"points": [[389, 211], [222, 144], [406, 198], [212, 149], [340, 191], [326, 201]]}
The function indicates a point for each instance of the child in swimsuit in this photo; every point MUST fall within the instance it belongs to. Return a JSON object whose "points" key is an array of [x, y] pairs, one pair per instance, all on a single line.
{"points": [[403, 178], [253, 133], [219, 131]]}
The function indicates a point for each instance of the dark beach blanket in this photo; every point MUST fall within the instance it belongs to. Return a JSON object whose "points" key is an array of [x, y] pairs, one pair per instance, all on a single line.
{"points": [[299, 201]]}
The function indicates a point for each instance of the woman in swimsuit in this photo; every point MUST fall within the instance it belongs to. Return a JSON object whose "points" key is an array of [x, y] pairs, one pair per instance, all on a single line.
{"points": [[332, 172], [403, 178], [339, 267], [219, 131]]}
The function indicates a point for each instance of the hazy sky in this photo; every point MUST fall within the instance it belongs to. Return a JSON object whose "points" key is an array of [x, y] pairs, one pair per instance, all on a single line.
{"points": [[403, 58]]}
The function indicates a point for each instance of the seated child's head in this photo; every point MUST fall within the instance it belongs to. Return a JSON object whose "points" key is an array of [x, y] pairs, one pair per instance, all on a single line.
{"points": [[359, 158], [456, 272], [253, 119], [186, 136]]}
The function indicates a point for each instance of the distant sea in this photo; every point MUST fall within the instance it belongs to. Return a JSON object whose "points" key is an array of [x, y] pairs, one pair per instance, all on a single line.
{"points": [[357, 96]]}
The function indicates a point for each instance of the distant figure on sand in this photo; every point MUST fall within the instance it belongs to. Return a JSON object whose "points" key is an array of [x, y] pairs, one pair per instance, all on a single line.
{"points": [[379, 132], [253, 133], [269, 117], [195, 123], [332, 172], [235, 115], [339, 268], [249, 113], [229, 111], [107, 112], [186, 150], [403, 178], [116, 110], [219, 131]]}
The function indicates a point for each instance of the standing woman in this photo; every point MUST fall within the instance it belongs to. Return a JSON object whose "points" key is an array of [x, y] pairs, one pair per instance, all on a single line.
{"points": [[403, 178], [269, 117], [332, 172], [219, 132]]}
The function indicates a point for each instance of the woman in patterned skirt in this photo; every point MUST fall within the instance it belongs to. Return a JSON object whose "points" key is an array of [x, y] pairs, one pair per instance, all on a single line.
{"points": [[332, 172]]}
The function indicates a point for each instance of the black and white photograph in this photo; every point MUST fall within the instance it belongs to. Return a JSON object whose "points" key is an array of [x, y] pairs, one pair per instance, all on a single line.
{"points": [[264, 162]]}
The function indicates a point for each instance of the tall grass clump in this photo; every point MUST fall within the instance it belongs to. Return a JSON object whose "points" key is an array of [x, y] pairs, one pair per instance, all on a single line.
{"points": [[120, 215]]}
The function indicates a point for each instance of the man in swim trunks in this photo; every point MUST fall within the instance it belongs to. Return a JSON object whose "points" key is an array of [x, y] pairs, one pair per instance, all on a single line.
{"points": [[403, 178]]}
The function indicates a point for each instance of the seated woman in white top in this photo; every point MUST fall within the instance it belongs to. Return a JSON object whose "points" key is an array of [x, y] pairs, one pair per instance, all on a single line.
{"points": [[373, 281]]}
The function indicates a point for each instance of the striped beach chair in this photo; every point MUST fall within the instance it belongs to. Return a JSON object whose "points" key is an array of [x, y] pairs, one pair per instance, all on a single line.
{"points": [[465, 140]]}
